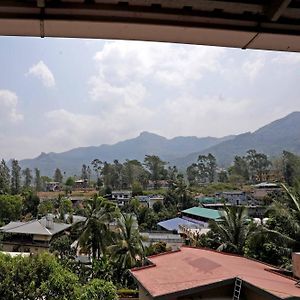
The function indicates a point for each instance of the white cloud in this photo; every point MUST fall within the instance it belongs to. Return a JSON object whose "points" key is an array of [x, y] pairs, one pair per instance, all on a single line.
{"points": [[253, 67], [8, 107], [126, 88], [73, 129], [42, 72], [165, 88], [18, 146], [203, 116], [287, 58], [124, 61], [112, 96]]}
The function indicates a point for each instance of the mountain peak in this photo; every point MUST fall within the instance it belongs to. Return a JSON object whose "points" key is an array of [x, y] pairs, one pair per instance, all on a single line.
{"points": [[147, 134], [287, 125], [294, 113], [42, 155]]}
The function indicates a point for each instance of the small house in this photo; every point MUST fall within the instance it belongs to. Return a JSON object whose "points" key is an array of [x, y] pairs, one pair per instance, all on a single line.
{"points": [[53, 186], [121, 197], [33, 236], [235, 197]]}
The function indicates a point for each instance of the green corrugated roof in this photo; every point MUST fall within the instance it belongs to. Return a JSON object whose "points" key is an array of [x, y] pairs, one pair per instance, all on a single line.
{"points": [[203, 212]]}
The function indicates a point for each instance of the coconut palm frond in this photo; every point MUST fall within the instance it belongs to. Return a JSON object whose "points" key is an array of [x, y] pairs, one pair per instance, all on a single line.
{"points": [[288, 211], [128, 249], [295, 200], [95, 234], [276, 235], [233, 229]]}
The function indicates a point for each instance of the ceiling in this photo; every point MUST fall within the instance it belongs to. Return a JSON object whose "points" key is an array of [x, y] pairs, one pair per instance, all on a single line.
{"points": [[269, 25]]}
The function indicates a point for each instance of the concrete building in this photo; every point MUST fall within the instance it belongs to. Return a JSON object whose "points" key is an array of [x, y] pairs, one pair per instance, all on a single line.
{"points": [[264, 189], [53, 186], [195, 273], [208, 200], [154, 199], [172, 240], [158, 184], [143, 199], [121, 197], [235, 197], [150, 199], [81, 184]]}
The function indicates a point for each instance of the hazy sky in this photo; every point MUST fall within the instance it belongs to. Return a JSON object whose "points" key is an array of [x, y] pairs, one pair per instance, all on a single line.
{"points": [[57, 94]]}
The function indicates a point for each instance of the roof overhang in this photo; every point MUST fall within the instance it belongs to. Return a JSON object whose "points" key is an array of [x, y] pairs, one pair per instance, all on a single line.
{"points": [[199, 289], [215, 285], [272, 25]]}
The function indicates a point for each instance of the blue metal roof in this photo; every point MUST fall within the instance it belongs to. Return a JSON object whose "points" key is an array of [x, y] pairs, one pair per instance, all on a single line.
{"points": [[173, 224]]}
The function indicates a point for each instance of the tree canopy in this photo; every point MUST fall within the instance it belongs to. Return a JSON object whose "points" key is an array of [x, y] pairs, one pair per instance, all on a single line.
{"points": [[43, 277]]}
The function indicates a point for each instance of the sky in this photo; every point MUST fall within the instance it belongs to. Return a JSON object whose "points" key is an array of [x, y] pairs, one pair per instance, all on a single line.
{"points": [[58, 94]]}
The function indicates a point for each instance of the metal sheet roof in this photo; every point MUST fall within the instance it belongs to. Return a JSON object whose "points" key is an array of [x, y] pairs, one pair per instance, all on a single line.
{"points": [[34, 227], [208, 200], [207, 213], [173, 224]]}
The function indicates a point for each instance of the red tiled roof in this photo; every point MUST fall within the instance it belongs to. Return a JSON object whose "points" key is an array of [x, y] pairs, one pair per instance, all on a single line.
{"points": [[194, 267]]}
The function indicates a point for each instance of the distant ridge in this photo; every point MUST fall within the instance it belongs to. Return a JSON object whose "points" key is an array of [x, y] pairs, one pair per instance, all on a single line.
{"points": [[271, 139], [71, 161]]}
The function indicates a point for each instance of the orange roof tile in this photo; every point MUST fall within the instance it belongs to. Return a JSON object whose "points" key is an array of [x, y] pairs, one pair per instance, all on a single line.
{"points": [[195, 267]]}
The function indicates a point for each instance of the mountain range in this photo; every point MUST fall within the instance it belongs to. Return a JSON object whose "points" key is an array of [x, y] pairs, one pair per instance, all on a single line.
{"points": [[272, 139]]}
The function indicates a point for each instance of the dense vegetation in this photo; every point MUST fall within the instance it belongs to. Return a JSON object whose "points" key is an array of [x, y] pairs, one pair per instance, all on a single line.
{"points": [[44, 277], [111, 235], [272, 241], [135, 175]]}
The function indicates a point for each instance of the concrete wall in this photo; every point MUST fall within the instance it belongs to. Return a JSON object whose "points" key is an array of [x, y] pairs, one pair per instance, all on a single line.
{"points": [[225, 292], [143, 294], [216, 293], [40, 237], [154, 200], [296, 264], [252, 295], [34, 249]]}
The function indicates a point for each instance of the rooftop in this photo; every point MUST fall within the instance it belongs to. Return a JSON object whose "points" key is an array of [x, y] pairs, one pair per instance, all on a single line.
{"points": [[203, 212], [173, 224], [267, 185], [34, 227], [151, 196], [122, 192], [81, 181], [233, 193], [202, 267], [208, 199]]}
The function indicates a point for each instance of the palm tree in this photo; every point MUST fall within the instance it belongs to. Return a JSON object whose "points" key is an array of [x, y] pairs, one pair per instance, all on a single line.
{"points": [[286, 213], [128, 249], [182, 193], [233, 229], [95, 233]]}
